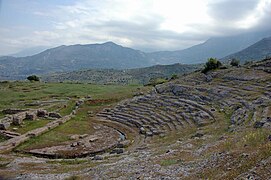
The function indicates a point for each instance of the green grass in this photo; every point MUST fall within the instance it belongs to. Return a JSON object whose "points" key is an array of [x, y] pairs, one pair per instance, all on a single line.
{"points": [[29, 125], [2, 138], [77, 125], [102, 95], [16, 94]]}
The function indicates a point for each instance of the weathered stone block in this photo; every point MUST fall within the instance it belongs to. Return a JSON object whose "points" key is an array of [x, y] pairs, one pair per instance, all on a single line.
{"points": [[54, 115], [42, 113], [31, 116], [18, 119], [4, 125]]}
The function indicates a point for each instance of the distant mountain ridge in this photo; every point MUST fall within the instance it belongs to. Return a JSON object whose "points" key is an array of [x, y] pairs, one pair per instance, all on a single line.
{"points": [[215, 47], [257, 51], [74, 57], [110, 55]]}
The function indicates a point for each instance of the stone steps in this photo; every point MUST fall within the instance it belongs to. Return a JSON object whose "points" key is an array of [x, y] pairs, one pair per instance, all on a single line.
{"points": [[158, 113]]}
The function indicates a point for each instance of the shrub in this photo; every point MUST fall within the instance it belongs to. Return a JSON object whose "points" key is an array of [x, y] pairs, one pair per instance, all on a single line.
{"points": [[156, 81], [211, 64], [174, 76], [33, 78], [235, 62]]}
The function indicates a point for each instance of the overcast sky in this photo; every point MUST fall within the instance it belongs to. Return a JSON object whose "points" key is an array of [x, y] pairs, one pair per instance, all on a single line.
{"points": [[146, 25]]}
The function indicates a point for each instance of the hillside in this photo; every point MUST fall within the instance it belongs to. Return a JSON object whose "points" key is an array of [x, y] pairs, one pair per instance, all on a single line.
{"points": [[257, 51], [128, 76], [74, 57], [215, 47]]}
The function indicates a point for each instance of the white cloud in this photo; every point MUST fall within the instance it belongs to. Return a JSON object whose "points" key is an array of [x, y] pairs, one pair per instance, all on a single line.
{"points": [[143, 24]]}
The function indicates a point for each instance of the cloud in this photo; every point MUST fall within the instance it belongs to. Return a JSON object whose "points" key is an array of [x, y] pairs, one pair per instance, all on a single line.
{"points": [[146, 25], [231, 10]]}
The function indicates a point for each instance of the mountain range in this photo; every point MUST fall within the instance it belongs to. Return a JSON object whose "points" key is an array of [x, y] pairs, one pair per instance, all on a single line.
{"points": [[110, 55]]}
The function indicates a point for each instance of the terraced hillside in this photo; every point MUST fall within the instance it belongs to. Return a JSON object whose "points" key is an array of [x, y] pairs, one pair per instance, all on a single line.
{"points": [[199, 126]]}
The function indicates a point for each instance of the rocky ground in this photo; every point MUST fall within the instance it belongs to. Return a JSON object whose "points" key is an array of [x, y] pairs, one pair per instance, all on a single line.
{"points": [[200, 126]]}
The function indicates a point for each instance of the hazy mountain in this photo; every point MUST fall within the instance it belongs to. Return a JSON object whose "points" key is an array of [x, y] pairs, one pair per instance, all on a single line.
{"points": [[30, 51], [110, 55], [127, 76], [74, 57], [215, 47], [257, 51]]}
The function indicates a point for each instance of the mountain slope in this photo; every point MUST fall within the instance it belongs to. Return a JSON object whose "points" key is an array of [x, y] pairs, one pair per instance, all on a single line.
{"points": [[74, 57], [256, 51], [128, 76], [215, 47]]}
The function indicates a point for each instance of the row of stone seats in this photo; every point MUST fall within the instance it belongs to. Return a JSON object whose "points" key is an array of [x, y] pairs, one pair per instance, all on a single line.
{"points": [[155, 114]]}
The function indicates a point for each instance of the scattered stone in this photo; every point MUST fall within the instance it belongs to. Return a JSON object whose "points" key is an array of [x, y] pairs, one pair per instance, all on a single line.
{"points": [[258, 124], [88, 97], [197, 135], [269, 137], [98, 158], [74, 144], [42, 113], [149, 133], [142, 130], [209, 78], [83, 136], [4, 125], [93, 138], [31, 116], [73, 112], [90, 112], [74, 137], [54, 115], [18, 119], [80, 143], [117, 151], [79, 102]]}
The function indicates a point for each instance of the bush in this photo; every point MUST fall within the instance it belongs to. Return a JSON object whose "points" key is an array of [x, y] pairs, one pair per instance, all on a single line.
{"points": [[33, 78], [156, 81], [211, 64], [174, 76], [235, 62]]}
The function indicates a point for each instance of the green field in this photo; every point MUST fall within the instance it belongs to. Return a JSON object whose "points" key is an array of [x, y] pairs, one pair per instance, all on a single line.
{"points": [[20, 94]]}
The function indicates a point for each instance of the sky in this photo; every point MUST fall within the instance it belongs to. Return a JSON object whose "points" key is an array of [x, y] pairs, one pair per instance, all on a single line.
{"points": [[147, 25]]}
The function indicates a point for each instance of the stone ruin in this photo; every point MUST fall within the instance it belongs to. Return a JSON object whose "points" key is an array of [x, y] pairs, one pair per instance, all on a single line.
{"points": [[17, 116]]}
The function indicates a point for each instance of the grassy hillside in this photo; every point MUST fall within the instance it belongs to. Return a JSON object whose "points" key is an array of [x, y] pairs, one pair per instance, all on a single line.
{"points": [[128, 76]]}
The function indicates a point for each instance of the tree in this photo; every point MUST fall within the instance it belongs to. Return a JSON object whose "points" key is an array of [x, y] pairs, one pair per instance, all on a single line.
{"points": [[33, 78], [235, 62], [211, 64]]}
